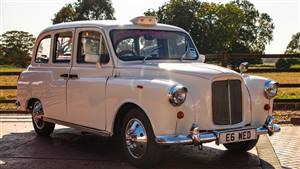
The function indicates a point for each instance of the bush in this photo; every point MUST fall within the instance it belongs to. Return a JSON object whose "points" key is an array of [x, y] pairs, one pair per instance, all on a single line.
{"points": [[293, 61], [282, 64]]}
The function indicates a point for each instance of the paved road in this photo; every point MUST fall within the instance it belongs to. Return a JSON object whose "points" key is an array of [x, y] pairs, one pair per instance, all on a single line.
{"points": [[287, 146], [68, 148]]}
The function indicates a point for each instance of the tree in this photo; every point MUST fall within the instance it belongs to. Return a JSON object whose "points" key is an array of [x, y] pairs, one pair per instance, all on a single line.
{"points": [[232, 27], [85, 10], [256, 30], [65, 14], [294, 44], [16, 47]]}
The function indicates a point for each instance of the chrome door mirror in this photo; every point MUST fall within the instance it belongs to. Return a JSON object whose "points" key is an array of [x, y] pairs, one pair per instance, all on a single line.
{"points": [[201, 58], [243, 67], [91, 58]]}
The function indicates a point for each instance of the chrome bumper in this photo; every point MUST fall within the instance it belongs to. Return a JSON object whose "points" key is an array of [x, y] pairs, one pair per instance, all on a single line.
{"points": [[196, 137]]}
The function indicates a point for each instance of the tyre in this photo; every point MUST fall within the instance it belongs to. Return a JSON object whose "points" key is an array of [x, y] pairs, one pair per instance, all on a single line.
{"points": [[41, 127], [241, 146], [138, 140]]}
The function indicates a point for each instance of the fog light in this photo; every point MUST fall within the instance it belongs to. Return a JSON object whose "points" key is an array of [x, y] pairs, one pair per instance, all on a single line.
{"points": [[180, 115], [267, 107]]}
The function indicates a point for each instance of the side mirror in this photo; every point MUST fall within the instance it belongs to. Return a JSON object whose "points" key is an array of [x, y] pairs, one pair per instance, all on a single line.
{"points": [[90, 58], [243, 67], [201, 58]]}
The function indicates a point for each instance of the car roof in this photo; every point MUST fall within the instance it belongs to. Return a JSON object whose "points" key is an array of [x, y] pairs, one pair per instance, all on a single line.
{"points": [[108, 25]]}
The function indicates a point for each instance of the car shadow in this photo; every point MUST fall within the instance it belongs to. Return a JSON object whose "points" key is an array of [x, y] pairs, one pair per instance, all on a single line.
{"points": [[69, 148]]}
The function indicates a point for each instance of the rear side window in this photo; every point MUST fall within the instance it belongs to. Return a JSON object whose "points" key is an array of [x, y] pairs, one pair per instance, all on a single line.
{"points": [[43, 51], [63, 47]]}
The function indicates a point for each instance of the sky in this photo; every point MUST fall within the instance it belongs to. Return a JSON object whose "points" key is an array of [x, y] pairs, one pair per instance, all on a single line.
{"points": [[35, 15]]}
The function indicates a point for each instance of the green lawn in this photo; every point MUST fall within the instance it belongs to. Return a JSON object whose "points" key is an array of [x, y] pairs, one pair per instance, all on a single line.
{"points": [[284, 77], [8, 68]]}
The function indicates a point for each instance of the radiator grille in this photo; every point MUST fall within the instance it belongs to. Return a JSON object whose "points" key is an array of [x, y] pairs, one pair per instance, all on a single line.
{"points": [[227, 102]]}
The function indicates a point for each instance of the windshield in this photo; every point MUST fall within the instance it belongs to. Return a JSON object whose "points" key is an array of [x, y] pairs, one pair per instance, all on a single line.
{"points": [[144, 45]]}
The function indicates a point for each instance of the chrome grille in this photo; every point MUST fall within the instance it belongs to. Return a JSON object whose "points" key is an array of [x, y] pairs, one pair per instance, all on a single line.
{"points": [[227, 102]]}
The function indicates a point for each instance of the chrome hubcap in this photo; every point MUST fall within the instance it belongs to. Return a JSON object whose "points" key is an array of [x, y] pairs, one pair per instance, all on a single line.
{"points": [[136, 138], [37, 115]]}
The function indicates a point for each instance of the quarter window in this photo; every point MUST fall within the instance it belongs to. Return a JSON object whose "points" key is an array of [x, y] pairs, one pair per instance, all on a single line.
{"points": [[63, 47], [43, 51]]}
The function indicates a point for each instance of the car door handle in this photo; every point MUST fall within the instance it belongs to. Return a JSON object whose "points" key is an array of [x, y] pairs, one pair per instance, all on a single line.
{"points": [[64, 76], [73, 76]]}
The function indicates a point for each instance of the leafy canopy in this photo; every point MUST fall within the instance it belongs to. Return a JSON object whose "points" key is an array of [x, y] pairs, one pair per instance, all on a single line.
{"points": [[85, 10], [294, 44], [232, 27], [16, 48]]}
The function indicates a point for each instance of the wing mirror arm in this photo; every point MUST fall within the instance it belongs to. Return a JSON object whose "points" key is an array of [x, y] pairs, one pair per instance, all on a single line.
{"points": [[243, 67]]}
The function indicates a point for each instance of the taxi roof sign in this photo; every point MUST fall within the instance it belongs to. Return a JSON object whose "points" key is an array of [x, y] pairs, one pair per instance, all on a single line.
{"points": [[144, 20]]}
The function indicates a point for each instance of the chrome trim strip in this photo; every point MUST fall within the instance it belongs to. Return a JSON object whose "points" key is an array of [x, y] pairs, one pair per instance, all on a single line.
{"points": [[79, 127], [229, 101]]}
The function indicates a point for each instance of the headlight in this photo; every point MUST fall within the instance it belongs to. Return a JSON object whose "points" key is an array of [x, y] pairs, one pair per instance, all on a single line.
{"points": [[270, 89], [177, 95]]}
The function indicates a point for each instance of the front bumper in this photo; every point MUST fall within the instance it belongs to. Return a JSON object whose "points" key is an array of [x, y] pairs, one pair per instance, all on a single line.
{"points": [[196, 137]]}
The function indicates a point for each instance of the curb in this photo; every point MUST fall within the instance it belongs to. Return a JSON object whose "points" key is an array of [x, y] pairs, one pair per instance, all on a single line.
{"points": [[266, 154]]}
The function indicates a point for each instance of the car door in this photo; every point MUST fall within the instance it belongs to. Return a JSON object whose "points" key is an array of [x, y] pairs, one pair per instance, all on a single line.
{"points": [[55, 105], [87, 81]]}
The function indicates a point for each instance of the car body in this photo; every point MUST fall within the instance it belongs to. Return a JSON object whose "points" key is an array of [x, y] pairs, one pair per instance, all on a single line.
{"points": [[90, 74]]}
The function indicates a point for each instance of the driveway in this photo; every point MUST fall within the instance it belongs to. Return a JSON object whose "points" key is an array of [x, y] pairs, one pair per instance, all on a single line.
{"points": [[67, 148]]}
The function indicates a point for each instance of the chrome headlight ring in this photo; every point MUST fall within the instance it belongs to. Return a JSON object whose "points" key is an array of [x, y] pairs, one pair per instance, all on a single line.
{"points": [[271, 89], [177, 95]]}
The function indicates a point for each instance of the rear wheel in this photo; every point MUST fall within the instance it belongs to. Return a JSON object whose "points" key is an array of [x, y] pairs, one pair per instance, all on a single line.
{"points": [[241, 146], [41, 127], [138, 140]]}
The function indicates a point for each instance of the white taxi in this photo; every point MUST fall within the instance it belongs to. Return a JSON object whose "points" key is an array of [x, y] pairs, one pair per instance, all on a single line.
{"points": [[144, 83]]}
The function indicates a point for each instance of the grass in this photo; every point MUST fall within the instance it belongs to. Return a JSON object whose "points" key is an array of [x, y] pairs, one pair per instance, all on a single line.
{"points": [[8, 94], [9, 68], [295, 67], [8, 80], [284, 77], [7, 106]]}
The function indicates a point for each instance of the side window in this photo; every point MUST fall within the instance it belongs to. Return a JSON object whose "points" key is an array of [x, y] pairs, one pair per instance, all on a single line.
{"points": [[43, 51], [91, 43], [63, 47]]}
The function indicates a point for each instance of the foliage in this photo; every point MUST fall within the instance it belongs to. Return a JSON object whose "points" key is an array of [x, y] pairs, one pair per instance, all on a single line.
{"points": [[293, 61], [282, 64], [294, 44], [285, 64], [256, 30], [235, 27], [65, 14], [16, 48], [85, 10]]}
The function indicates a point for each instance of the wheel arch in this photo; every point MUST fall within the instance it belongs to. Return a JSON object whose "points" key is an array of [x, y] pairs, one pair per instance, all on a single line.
{"points": [[125, 107], [30, 103]]}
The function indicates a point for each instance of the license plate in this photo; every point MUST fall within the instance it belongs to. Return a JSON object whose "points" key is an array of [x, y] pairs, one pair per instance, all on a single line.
{"points": [[237, 136]]}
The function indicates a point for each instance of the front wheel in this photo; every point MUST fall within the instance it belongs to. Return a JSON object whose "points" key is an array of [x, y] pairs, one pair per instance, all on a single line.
{"points": [[241, 146], [138, 140], [41, 127]]}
